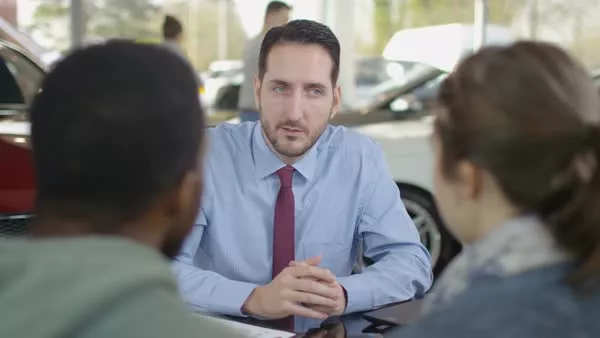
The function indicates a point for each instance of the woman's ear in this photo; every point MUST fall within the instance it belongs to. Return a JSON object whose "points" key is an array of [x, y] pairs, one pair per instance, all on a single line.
{"points": [[470, 178]]}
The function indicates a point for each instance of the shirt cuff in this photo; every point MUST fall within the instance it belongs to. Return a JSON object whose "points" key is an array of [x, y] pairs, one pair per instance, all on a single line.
{"points": [[230, 296], [359, 297]]}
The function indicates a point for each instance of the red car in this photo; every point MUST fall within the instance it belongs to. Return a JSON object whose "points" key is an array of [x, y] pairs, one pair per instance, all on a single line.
{"points": [[20, 78]]}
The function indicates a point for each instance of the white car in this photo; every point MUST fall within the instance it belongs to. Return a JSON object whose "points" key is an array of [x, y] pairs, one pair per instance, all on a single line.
{"points": [[407, 149], [406, 144]]}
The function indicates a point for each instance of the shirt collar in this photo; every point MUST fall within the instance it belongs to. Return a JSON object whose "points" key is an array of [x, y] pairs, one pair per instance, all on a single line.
{"points": [[267, 163]]}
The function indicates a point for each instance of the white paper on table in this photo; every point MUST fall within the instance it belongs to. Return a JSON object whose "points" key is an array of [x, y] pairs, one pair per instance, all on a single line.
{"points": [[250, 331]]}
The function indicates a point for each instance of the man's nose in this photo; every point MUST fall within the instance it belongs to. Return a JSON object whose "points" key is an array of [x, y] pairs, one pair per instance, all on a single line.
{"points": [[295, 106]]}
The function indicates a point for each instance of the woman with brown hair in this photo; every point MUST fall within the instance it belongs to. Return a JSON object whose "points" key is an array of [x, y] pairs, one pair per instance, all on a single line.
{"points": [[517, 145]]}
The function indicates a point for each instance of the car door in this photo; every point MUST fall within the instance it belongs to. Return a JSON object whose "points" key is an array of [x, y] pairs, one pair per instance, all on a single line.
{"points": [[19, 82]]}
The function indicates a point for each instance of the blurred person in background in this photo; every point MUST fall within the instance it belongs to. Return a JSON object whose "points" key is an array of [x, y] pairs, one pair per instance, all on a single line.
{"points": [[289, 199], [517, 145], [119, 180], [172, 32], [277, 14]]}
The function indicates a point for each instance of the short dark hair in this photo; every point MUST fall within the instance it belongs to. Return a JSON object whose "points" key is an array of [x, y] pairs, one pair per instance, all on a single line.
{"points": [[305, 32], [112, 131], [529, 114], [171, 27], [276, 6]]}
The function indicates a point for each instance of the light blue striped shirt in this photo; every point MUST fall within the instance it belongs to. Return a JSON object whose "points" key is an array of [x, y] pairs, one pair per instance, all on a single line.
{"points": [[344, 197]]}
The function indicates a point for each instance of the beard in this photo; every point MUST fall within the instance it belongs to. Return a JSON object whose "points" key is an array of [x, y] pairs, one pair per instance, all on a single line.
{"points": [[291, 145], [172, 246], [175, 237], [181, 227]]}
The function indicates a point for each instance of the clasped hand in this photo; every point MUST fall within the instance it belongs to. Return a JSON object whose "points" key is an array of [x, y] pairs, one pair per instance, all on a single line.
{"points": [[302, 289]]}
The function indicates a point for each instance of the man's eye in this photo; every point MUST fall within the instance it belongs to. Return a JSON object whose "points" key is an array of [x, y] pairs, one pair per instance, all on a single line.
{"points": [[279, 89], [317, 91]]}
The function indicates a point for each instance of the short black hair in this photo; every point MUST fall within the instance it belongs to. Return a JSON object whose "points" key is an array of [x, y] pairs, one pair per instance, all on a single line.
{"points": [[114, 127], [306, 32], [276, 6], [171, 27]]}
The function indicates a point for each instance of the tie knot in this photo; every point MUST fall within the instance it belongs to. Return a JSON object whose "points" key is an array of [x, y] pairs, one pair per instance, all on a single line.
{"points": [[285, 176]]}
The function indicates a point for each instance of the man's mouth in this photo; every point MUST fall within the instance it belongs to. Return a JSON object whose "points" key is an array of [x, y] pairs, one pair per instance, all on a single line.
{"points": [[292, 130]]}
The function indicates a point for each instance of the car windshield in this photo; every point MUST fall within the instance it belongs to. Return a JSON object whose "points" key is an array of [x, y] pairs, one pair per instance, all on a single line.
{"points": [[398, 75], [27, 75]]}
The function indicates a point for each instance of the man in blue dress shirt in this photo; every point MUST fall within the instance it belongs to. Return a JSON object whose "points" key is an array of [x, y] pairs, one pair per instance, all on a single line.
{"points": [[342, 196]]}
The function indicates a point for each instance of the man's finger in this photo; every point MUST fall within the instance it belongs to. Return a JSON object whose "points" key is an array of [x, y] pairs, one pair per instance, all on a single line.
{"points": [[313, 261], [305, 271], [323, 309], [296, 309], [312, 286], [308, 299]]}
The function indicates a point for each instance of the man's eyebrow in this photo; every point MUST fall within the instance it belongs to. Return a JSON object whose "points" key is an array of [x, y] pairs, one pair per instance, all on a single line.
{"points": [[279, 82], [315, 85]]}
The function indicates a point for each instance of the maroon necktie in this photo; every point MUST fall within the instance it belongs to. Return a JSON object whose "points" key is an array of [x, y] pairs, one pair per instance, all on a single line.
{"points": [[283, 234]]}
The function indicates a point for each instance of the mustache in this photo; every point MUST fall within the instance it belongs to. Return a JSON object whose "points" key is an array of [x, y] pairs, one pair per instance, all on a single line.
{"points": [[293, 125]]}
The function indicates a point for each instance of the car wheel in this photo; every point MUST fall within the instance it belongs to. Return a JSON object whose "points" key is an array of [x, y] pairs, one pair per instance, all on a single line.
{"points": [[434, 236]]}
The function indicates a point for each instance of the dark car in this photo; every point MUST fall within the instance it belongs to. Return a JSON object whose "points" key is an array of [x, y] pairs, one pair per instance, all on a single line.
{"points": [[392, 98], [396, 99]]}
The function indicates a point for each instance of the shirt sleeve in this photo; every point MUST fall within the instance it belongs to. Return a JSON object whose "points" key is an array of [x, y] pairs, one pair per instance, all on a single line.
{"points": [[402, 265], [203, 290]]}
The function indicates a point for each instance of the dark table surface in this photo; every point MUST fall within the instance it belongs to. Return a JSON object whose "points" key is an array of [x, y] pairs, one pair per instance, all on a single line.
{"points": [[351, 325]]}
